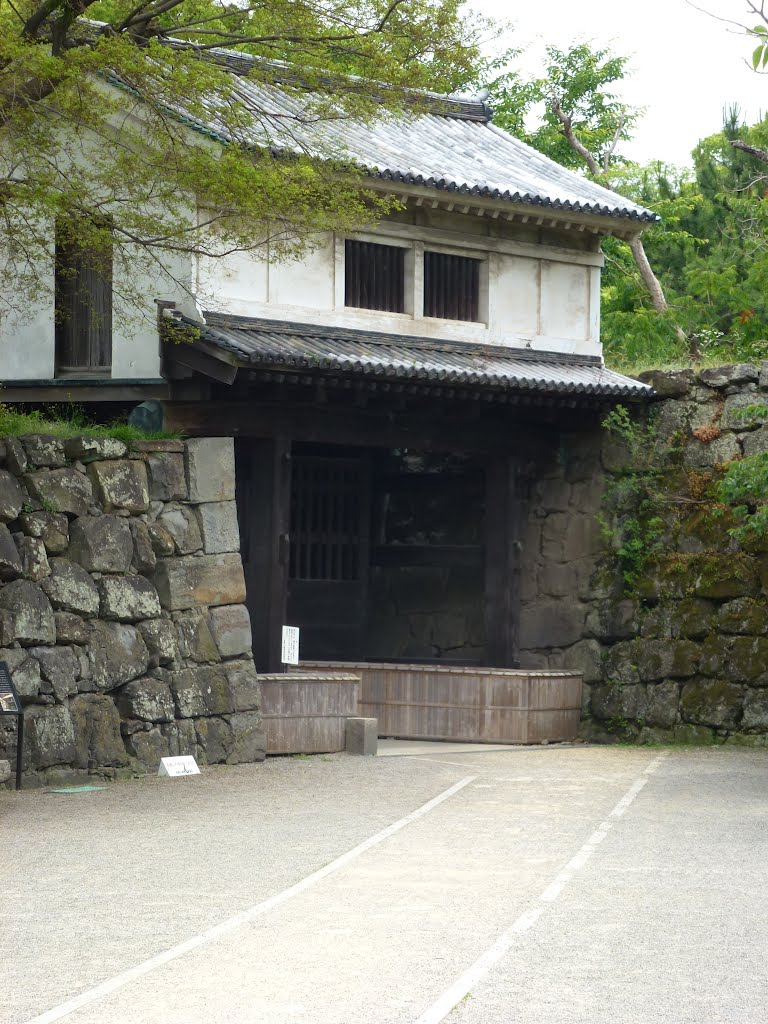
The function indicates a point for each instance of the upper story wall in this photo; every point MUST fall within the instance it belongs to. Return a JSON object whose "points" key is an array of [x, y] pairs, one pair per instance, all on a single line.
{"points": [[28, 332], [539, 288]]}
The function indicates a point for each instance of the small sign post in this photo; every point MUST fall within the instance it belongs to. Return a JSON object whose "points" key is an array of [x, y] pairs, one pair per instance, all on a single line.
{"points": [[11, 705], [290, 646], [173, 767]]}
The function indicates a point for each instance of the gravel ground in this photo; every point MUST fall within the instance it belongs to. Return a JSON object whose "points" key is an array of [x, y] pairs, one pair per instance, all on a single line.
{"points": [[664, 919]]}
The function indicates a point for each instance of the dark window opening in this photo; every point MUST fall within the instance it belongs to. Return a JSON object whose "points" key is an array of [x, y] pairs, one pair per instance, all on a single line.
{"points": [[451, 287], [83, 289], [374, 276]]}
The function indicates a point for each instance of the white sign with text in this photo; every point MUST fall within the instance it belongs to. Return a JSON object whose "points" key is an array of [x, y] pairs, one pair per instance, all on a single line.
{"points": [[290, 648], [174, 767]]}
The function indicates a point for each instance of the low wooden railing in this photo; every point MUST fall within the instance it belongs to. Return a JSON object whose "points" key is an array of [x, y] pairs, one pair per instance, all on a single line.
{"points": [[473, 705]]}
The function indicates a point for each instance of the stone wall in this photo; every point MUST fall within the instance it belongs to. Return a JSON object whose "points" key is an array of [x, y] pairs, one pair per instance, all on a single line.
{"points": [[122, 615], [682, 654]]}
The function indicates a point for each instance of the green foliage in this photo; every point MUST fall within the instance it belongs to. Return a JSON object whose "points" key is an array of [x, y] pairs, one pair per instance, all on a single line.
{"points": [[744, 487], [106, 128], [709, 251], [68, 422], [633, 523]]}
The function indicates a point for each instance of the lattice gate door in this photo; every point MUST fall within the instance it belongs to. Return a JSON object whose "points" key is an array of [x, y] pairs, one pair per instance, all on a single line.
{"points": [[329, 554]]}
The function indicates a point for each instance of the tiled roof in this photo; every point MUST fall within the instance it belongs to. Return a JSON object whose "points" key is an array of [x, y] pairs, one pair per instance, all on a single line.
{"points": [[271, 344], [452, 147]]}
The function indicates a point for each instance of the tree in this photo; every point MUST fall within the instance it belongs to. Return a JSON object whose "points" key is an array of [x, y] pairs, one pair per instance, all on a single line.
{"points": [[582, 126], [118, 118]]}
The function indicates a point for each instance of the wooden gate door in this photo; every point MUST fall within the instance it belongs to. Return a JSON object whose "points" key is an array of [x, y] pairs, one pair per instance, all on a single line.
{"points": [[329, 554], [263, 494]]}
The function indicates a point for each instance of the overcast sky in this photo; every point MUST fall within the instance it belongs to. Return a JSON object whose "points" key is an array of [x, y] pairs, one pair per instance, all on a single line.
{"points": [[685, 65]]}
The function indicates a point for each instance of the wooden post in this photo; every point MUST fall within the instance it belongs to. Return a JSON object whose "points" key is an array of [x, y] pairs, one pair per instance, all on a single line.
{"points": [[505, 493], [263, 492]]}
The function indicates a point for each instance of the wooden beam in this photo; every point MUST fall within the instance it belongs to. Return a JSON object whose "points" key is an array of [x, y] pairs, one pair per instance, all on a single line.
{"points": [[492, 430]]}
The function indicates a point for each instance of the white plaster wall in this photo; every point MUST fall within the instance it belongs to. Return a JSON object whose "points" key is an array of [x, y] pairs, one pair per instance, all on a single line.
{"points": [[565, 316], [26, 339], [545, 303]]}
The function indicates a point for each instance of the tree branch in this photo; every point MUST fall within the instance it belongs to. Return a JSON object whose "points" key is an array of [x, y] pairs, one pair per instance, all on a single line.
{"points": [[760, 154], [573, 141]]}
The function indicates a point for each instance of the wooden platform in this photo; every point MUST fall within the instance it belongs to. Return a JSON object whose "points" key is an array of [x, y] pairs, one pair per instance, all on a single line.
{"points": [[472, 705]]}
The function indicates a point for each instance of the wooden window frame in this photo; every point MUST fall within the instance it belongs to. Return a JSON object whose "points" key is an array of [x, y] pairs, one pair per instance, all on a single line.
{"points": [[91, 334], [481, 300]]}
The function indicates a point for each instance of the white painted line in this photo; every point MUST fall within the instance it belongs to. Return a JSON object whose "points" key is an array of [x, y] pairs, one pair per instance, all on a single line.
{"points": [[435, 760], [139, 970], [464, 984]]}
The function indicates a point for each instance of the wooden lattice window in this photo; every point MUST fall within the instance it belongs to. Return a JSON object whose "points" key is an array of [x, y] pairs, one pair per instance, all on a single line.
{"points": [[451, 286], [326, 519], [83, 289], [374, 276]]}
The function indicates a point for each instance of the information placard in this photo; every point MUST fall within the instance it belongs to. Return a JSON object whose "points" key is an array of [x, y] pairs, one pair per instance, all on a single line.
{"points": [[174, 767], [290, 648]]}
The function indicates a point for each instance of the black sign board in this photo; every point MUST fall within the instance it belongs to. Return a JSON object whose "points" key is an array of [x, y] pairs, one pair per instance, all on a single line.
{"points": [[11, 705]]}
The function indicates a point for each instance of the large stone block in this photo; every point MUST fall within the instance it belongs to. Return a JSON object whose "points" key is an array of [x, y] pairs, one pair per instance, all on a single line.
{"points": [[747, 660], [161, 639], [244, 684], [756, 442], [744, 616], [219, 527], [202, 691], [25, 673], [214, 740], [49, 737], [11, 497], [712, 702], [144, 558], [167, 479], [667, 659], [613, 620], [61, 490], [249, 741], [722, 449], [663, 701], [210, 467], [34, 560], [121, 483], [96, 723], [15, 456], [93, 449], [59, 666], [27, 614], [70, 629], [195, 638], [585, 657], [162, 542], [551, 624], [128, 598], [755, 710], [71, 589], [52, 528], [147, 699], [148, 747], [11, 566], [621, 663], [231, 628], [203, 580], [182, 524], [44, 450], [116, 654], [101, 544], [744, 411]]}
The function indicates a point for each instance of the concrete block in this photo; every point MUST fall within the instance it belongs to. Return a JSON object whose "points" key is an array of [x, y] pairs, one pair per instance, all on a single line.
{"points": [[362, 736]]}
